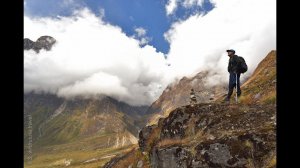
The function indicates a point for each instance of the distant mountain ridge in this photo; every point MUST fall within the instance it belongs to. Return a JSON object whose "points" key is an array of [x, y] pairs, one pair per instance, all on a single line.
{"points": [[107, 115]]}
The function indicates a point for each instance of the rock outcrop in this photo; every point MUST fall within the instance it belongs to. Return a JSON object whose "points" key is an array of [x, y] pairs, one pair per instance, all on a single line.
{"points": [[44, 42], [212, 135]]}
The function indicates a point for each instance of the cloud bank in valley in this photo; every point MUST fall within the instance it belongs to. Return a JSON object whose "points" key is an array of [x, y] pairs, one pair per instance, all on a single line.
{"points": [[90, 58]]}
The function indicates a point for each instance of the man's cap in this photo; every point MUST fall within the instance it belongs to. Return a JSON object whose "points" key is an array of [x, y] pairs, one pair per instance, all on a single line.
{"points": [[230, 50]]}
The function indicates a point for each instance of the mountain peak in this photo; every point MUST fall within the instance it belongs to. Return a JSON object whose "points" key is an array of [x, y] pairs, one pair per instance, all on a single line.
{"points": [[43, 42]]}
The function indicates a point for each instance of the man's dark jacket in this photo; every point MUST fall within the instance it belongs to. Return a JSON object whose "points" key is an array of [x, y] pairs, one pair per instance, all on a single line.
{"points": [[233, 64]]}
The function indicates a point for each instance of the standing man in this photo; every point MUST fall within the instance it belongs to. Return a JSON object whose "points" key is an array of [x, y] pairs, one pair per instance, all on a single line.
{"points": [[234, 75]]}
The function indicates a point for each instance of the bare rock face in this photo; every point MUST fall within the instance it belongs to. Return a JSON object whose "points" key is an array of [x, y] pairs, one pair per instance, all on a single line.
{"points": [[211, 135], [237, 151], [44, 42], [28, 44], [230, 137], [175, 156], [144, 136]]}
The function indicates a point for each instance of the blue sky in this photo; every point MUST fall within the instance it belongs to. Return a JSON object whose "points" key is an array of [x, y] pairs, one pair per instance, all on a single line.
{"points": [[129, 15]]}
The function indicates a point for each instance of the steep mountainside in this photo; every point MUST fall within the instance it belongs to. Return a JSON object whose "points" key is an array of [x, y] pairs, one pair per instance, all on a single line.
{"points": [[178, 94], [214, 134], [261, 87], [55, 122]]}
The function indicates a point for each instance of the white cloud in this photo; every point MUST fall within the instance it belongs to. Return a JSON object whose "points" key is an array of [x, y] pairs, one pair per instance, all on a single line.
{"points": [[100, 82], [199, 43], [141, 36], [140, 31], [90, 58], [144, 41], [102, 13], [190, 3], [171, 6]]}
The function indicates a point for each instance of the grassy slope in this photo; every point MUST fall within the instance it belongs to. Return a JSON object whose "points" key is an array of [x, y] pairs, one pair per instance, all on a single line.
{"points": [[262, 83], [62, 142], [79, 152]]}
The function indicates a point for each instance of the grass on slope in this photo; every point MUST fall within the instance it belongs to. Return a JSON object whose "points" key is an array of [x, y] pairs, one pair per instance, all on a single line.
{"points": [[89, 152]]}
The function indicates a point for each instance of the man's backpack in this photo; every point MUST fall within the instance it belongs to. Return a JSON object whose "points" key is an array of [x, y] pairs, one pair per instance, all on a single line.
{"points": [[242, 66]]}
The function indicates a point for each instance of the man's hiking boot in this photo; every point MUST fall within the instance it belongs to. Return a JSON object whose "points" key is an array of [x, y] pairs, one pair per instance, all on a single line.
{"points": [[226, 100]]}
